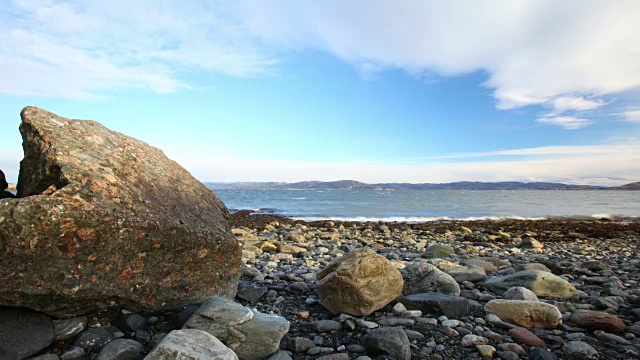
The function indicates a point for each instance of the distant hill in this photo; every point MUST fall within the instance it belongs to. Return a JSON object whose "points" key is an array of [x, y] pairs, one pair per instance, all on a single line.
{"points": [[632, 186], [461, 185]]}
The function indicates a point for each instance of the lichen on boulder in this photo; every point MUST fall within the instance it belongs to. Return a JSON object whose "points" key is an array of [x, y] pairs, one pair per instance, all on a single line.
{"points": [[104, 220]]}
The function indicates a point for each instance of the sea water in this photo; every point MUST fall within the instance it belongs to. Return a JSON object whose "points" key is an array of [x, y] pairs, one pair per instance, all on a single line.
{"points": [[426, 205]]}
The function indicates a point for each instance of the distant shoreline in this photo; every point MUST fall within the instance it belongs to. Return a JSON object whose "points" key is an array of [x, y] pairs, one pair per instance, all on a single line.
{"points": [[350, 185]]}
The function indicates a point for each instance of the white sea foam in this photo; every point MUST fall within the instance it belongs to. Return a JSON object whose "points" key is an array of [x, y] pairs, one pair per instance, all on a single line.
{"points": [[299, 198], [416, 219]]}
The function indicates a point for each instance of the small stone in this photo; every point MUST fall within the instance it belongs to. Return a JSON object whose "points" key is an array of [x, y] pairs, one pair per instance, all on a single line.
{"points": [[388, 341], [470, 340], [280, 355], [130, 322], [451, 323], [396, 321], [340, 356], [251, 294], [191, 344], [366, 324], [122, 349], [300, 344], [520, 293], [399, 308], [526, 337], [530, 314], [486, 351], [531, 243], [578, 350], [542, 354], [356, 348], [92, 340], [606, 337], [73, 353], [322, 326], [48, 356], [598, 321], [67, 328]]}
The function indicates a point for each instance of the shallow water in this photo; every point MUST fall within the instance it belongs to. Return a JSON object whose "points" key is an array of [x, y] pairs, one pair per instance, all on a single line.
{"points": [[426, 205]]}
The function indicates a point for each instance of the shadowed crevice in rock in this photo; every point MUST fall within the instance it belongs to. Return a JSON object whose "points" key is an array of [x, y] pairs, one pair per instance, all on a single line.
{"points": [[36, 173]]}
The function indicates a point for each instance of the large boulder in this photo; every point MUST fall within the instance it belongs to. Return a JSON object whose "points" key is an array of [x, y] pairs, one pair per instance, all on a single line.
{"points": [[104, 220], [23, 333], [530, 314], [542, 283], [250, 334], [425, 278], [358, 283]]}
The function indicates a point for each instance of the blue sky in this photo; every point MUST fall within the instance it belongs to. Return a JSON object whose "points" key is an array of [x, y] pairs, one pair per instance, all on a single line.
{"points": [[375, 91]]}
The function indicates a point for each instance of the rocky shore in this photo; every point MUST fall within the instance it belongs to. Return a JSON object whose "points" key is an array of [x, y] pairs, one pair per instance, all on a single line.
{"points": [[505, 290]]}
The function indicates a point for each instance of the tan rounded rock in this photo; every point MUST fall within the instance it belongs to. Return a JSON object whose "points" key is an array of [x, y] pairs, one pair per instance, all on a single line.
{"points": [[529, 314], [358, 283]]}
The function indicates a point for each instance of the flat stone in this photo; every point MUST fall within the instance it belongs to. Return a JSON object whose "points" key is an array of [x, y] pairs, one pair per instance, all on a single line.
{"points": [[598, 320], [322, 326], [388, 341], [469, 273], [439, 251], [74, 353], [530, 314], [426, 278], [606, 337], [191, 344], [68, 328], [122, 349], [437, 303], [93, 339], [542, 283], [395, 321], [23, 332], [280, 355], [250, 334], [486, 351]]}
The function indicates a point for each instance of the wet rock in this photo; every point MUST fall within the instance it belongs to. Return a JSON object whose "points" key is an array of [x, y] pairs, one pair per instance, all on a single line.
{"points": [[119, 207], [425, 278], [191, 344], [437, 303], [598, 320], [358, 283], [388, 341], [578, 350], [68, 328], [23, 332], [122, 349], [542, 283], [249, 333], [530, 314]]}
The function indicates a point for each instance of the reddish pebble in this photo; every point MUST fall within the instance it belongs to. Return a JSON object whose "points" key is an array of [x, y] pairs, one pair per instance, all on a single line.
{"points": [[526, 337]]}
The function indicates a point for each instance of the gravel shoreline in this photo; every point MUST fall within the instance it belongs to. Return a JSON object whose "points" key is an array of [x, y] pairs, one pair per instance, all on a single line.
{"points": [[282, 257]]}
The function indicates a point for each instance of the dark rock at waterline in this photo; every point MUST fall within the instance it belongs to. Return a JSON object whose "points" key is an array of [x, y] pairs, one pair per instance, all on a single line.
{"points": [[437, 303], [105, 220], [23, 333]]}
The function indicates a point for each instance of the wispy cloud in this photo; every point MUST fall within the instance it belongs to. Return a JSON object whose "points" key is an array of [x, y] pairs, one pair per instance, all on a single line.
{"points": [[85, 49], [631, 115], [567, 122]]}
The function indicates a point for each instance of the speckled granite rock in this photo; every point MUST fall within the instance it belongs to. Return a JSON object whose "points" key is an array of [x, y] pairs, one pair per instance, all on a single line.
{"points": [[358, 283], [105, 220]]}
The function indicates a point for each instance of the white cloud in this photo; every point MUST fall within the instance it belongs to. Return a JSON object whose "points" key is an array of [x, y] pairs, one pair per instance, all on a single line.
{"points": [[567, 122], [632, 115], [565, 55]]}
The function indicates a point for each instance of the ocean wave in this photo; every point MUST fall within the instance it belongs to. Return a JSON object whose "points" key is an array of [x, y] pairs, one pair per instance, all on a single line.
{"points": [[299, 198]]}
